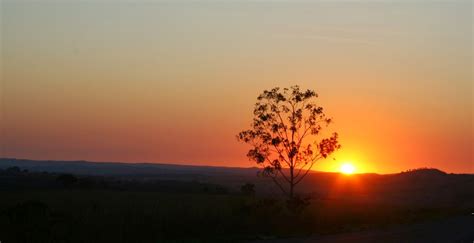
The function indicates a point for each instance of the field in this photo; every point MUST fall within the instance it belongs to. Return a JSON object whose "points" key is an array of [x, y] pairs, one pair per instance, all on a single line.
{"points": [[40, 207]]}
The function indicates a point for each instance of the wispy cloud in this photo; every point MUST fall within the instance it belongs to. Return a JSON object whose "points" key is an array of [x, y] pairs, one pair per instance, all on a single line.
{"points": [[329, 38]]}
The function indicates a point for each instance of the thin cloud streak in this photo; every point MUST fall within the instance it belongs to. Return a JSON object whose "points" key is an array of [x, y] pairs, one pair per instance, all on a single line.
{"points": [[329, 38]]}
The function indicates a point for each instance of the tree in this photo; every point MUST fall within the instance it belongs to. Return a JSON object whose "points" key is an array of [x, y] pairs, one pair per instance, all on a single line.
{"points": [[284, 136], [248, 189], [13, 170], [67, 180]]}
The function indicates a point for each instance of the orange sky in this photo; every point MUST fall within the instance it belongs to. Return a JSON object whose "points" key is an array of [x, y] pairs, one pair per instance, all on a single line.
{"points": [[175, 81]]}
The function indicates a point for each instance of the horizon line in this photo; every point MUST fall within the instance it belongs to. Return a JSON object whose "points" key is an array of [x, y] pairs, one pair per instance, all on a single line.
{"points": [[215, 166]]}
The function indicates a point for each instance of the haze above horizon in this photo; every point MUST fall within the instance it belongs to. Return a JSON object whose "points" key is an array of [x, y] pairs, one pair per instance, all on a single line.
{"points": [[175, 81]]}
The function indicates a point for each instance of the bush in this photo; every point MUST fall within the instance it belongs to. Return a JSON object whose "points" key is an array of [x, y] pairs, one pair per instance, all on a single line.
{"points": [[248, 189]]}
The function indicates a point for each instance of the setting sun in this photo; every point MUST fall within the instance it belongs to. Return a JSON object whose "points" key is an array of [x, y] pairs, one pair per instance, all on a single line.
{"points": [[347, 168]]}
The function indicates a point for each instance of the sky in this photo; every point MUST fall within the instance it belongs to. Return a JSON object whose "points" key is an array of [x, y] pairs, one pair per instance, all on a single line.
{"points": [[175, 81]]}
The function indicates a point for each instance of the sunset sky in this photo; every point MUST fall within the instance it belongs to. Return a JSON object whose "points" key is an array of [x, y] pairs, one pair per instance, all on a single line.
{"points": [[175, 81]]}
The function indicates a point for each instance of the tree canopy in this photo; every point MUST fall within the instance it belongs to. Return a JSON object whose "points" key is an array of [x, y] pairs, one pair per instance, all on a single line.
{"points": [[285, 135]]}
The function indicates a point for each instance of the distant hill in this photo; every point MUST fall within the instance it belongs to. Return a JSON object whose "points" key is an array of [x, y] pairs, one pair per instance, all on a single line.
{"points": [[424, 171], [425, 186], [120, 169]]}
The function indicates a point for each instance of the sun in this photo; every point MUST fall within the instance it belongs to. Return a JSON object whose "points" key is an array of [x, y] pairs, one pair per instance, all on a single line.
{"points": [[347, 168]]}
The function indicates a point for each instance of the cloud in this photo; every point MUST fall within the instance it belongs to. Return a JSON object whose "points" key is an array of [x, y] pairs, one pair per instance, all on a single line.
{"points": [[329, 38]]}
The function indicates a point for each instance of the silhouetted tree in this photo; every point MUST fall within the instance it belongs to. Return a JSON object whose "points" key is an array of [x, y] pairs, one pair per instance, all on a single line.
{"points": [[13, 170], [67, 179], [284, 135], [248, 189]]}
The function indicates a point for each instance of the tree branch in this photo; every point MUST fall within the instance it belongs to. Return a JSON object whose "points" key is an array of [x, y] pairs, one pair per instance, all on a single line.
{"points": [[303, 176]]}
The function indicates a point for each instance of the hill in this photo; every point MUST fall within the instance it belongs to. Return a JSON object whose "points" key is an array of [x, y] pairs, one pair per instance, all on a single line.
{"points": [[78, 201]]}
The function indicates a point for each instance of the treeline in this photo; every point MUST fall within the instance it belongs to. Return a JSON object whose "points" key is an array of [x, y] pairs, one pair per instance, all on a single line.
{"points": [[15, 178]]}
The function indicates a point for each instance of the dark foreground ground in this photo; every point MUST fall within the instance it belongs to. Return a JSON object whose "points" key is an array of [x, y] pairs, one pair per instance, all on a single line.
{"points": [[179, 204], [454, 229]]}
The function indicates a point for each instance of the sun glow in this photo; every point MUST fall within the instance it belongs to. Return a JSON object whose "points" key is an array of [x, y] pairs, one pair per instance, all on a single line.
{"points": [[347, 168]]}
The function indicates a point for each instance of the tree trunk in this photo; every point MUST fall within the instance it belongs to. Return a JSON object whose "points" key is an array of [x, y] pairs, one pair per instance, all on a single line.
{"points": [[291, 182]]}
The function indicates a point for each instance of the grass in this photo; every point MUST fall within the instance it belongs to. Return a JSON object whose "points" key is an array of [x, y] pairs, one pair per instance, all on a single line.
{"points": [[79, 215]]}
